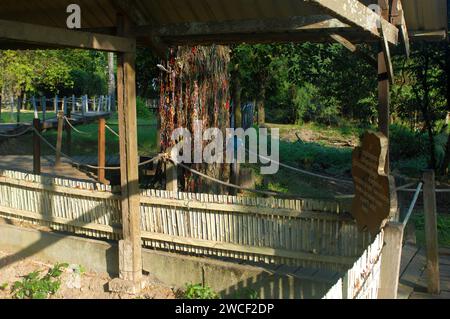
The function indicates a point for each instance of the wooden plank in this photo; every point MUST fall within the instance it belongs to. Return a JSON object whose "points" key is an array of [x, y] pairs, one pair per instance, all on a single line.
{"points": [[408, 254], [59, 138], [101, 151], [357, 14], [293, 24], [354, 49], [431, 232], [58, 220], [411, 276], [245, 209], [247, 249], [36, 147], [63, 38]]}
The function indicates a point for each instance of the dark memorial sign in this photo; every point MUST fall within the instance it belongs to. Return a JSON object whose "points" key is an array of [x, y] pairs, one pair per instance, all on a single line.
{"points": [[375, 199]]}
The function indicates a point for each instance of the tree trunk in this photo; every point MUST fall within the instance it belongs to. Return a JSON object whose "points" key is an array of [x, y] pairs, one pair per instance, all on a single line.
{"points": [[446, 160], [426, 112], [111, 79], [261, 106]]}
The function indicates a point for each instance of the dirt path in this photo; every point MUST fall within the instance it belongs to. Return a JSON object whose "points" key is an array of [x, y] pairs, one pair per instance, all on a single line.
{"points": [[73, 285]]}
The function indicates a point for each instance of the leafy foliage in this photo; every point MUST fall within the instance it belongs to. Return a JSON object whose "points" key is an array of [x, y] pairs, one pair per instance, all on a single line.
{"points": [[35, 286], [198, 291]]}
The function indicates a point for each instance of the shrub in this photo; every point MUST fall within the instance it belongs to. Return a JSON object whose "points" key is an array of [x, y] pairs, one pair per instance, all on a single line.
{"points": [[33, 286], [199, 291], [142, 110]]}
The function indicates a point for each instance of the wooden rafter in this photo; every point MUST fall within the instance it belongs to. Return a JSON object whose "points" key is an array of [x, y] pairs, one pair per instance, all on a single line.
{"points": [[354, 49], [398, 19], [356, 14], [41, 36]]}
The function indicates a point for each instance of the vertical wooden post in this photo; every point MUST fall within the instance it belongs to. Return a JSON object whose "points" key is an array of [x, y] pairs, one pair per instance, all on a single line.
{"points": [[74, 103], [101, 150], [37, 147], [390, 261], [130, 255], [44, 107], [19, 106], [171, 177], [59, 138], [68, 130], [383, 85], [431, 234]]}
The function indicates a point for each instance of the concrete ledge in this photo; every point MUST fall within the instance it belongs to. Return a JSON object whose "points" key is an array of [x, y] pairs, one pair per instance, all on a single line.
{"points": [[227, 278]]}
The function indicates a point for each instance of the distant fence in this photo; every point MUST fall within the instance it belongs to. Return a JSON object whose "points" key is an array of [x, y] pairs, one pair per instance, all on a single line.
{"points": [[304, 233], [83, 104]]}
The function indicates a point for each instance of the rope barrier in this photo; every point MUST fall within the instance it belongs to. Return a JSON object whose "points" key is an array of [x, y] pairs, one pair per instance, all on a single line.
{"points": [[74, 128], [303, 171], [74, 162], [413, 204], [18, 134], [112, 131], [256, 191]]}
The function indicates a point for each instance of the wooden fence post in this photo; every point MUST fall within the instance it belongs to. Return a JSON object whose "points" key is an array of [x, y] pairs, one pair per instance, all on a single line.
{"points": [[390, 261], [59, 138], [37, 147], [431, 234], [171, 177], [101, 150], [68, 130]]}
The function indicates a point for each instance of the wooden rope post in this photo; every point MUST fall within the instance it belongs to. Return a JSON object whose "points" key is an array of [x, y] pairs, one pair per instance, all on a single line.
{"points": [[68, 130], [101, 150], [171, 177], [37, 147], [59, 138], [431, 234]]}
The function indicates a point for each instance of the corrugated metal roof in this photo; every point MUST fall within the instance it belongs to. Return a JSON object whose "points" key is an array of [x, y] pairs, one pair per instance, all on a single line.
{"points": [[421, 15]]}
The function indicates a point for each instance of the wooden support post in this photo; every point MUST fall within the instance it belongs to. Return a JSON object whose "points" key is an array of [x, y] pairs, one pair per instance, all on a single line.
{"points": [[171, 177], [431, 235], [383, 84], [37, 147], [130, 255], [59, 138], [68, 130], [101, 150], [390, 260]]}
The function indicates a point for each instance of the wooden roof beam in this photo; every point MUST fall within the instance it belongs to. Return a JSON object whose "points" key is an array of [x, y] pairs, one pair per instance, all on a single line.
{"points": [[37, 35], [293, 24], [357, 14]]}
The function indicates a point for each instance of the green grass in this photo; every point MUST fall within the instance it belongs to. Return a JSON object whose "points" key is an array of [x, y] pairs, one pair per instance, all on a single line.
{"points": [[25, 116], [443, 222], [86, 143]]}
